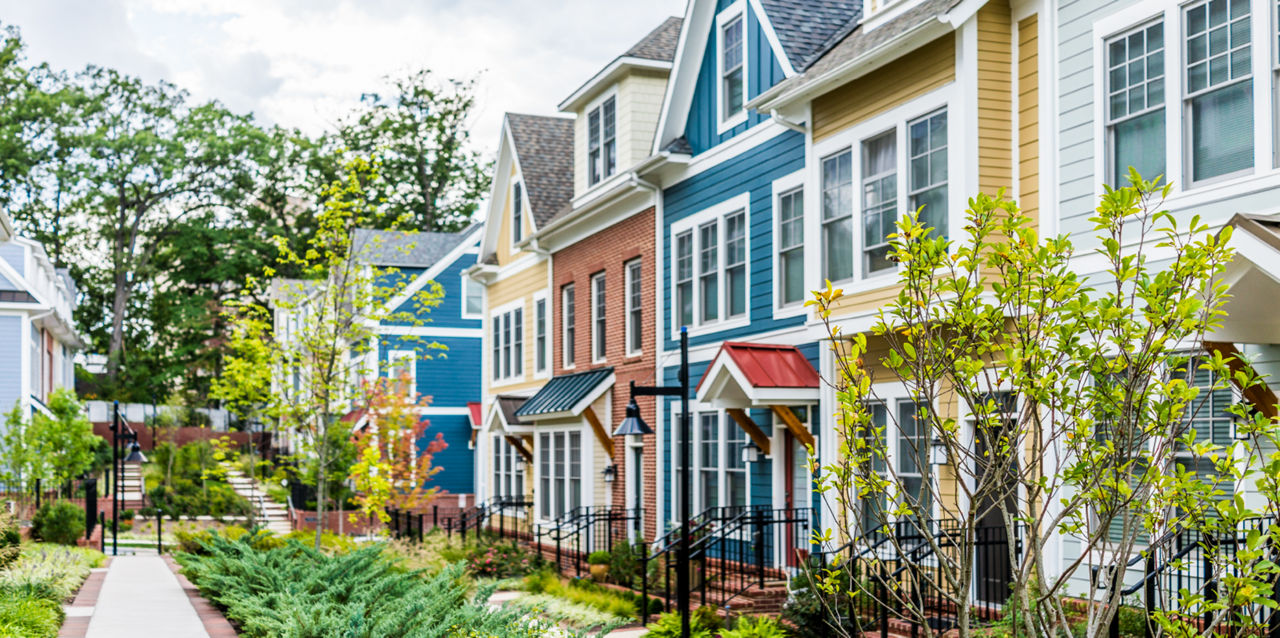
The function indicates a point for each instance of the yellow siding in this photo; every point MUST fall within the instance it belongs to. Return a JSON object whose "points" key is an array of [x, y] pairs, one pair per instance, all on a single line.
{"points": [[925, 69], [503, 248], [520, 285], [1029, 118], [995, 97]]}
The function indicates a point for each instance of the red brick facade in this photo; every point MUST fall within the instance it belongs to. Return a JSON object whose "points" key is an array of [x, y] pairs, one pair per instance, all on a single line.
{"points": [[608, 250]]}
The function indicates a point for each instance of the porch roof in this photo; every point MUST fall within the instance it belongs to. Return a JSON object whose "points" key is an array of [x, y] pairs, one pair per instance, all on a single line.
{"points": [[1253, 281], [475, 413], [746, 375], [567, 395]]}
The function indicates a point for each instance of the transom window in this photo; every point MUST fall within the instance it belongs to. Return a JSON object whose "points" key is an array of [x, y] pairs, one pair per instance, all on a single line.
{"points": [[560, 472], [1219, 88], [928, 170], [879, 200], [1135, 103], [791, 246], [602, 143], [508, 344], [635, 308], [732, 78]]}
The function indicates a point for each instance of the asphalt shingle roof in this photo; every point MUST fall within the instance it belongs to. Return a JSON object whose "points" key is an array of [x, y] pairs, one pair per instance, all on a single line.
{"points": [[805, 26], [659, 44], [406, 249], [544, 146], [563, 392]]}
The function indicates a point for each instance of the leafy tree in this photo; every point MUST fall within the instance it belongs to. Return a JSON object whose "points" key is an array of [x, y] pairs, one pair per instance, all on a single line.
{"points": [[58, 446], [326, 334], [1062, 406], [392, 470], [430, 178]]}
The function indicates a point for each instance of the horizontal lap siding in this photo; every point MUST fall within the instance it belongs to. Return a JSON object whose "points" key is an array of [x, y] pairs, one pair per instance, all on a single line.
{"points": [[11, 354], [1029, 117], [521, 286], [448, 312], [457, 460], [1076, 132], [995, 103], [925, 69], [753, 172]]}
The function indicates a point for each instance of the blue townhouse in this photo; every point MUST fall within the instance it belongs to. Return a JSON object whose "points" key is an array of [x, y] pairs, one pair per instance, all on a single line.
{"points": [[440, 346], [733, 262]]}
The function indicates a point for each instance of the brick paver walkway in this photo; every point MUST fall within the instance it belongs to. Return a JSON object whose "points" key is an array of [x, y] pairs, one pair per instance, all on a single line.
{"points": [[142, 596]]}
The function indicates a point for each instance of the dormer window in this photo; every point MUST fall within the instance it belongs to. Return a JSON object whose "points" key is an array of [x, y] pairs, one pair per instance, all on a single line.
{"points": [[731, 67], [517, 213], [602, 141]]}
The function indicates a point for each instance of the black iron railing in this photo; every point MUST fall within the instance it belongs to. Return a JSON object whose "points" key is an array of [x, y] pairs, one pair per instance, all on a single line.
{"points": [[1186, 572], [583, 530]]}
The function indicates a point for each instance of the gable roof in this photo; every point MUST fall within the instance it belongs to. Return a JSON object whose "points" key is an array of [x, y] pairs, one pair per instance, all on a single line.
{"points": [[659, 44], [406, 249], [805, 26], [544, 153]]}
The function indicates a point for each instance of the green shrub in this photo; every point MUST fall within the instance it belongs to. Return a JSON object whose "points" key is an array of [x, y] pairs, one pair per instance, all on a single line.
{"points": [[703, 623], [625, 565], [330, 543], [180, 482], [10, 540], [297, 591], [28, 615], [52, 571], [598, 557], [755, 627], [126, 515], [812, 609], [581, 617], [59, 522], [502, 560]]}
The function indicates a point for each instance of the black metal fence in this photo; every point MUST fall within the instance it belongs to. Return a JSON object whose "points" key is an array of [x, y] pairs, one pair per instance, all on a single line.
{"points": [[583, 530], [506, 516]]}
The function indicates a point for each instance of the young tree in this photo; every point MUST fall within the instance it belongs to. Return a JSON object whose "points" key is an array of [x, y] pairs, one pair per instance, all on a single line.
{"points": [[58, 446], [393, 469], [320, 349], [1060, 405]]}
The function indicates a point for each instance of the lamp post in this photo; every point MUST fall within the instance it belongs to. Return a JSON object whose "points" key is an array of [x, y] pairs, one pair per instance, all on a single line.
{"points": [[634, 425], [115, 476]]}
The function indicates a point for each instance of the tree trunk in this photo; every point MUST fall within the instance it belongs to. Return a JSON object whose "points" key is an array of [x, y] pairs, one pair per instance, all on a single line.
{"points": [[322, 485], [119, 300]]}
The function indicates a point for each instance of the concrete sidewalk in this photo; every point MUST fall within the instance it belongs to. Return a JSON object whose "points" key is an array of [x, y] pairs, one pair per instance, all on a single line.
{"points": [[142, 597]]}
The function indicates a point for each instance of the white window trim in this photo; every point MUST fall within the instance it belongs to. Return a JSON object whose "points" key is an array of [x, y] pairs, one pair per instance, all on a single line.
{"points": [[565, 351], [717, 213], [511, 456], [781, 186], [394, 357], [586, 441], [891, 394], [696, 412], [467, 284], [627, 280], [736, 10], [545, 372], [596, 318], [598, 103], [524, 208], [496, 315], [1177, 167], [947, 97]]}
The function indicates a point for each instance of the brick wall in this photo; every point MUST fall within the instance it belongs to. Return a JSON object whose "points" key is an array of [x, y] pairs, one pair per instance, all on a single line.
{"points": [[607, 251]]}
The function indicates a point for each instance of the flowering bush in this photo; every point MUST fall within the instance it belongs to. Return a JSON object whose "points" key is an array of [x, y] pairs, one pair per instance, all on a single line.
{"points": [[502, 561]]}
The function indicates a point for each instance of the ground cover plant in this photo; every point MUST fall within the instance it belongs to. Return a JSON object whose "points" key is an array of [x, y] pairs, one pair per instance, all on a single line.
{"points": [[296, 591], [37, 581]]}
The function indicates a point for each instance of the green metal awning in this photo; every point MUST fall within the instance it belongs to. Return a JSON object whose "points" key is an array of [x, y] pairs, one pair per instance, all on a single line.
{"points": [[566, 395]]}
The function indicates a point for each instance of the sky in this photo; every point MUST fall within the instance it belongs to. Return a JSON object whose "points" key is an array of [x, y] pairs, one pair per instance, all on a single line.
{"points": [[305, 63]]}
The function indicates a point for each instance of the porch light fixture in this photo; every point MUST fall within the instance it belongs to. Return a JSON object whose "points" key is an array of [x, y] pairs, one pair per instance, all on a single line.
{"points": [[633, 425], [520, 463], [938, 452], [135, 453], [609, 472], [750, 452]]}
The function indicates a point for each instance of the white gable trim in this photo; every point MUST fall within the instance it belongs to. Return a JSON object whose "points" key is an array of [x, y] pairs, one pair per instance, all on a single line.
{"points": [[724, 371], [466, 246], [498, 191], [675, 104], [771, 35]]}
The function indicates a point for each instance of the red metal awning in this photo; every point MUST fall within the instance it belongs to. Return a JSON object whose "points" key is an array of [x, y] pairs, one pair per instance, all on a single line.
{"points": [[474, 408], [767, 365]]}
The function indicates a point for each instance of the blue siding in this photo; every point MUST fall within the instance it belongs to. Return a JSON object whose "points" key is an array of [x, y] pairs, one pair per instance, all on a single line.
{"points": [[10, 362], [16, 256], [457, 461], [763, 71], [451, 377], [448, 314], [752, 171]]}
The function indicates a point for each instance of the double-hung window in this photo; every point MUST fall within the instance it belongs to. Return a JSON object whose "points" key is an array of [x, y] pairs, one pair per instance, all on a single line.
{"points": [[599, 340], [719, 470], [507, 478], [560, 465], [517, 213], [791, 246], [1218, 88], [602, 141], [1135, 103], [732, 71], [567, 311], [540, 335], [709, 460], [508, 344], [401, 370], [472, 298], [879, 200], [708, 272], [837, 217], [735, 263], [684, 278], [634, 308], [928, 170]]}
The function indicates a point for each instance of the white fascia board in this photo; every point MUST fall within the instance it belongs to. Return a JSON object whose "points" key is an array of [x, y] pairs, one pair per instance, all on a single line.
{"points": [[606, 76], [684, 72], [468, 245], [622, 203], [502, 170]]}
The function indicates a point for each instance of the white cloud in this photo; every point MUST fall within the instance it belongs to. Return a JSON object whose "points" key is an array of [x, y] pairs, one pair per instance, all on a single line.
{"points": [[305, 62]]}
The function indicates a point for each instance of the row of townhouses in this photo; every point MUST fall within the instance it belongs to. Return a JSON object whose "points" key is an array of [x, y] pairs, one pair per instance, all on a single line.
{"points": [[38, 339], [737, 157]]}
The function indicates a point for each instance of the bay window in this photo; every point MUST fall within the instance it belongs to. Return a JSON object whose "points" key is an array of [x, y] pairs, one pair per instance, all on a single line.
{"points": [[837, 217], [1218, 88], [1135, 103]]}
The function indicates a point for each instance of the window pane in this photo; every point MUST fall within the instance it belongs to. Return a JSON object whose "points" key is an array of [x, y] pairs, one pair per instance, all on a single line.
{"points": [[792, 276], [540, 332], [1222, 131], [517, 348], [837, 212], [709, 459], [609, 125], [929, 170], [735, 262], [1139, 142], [731, 66], [879, 200], [684, 277], [560, 473], [575, 470], [708, 269], [570, 342], [544, 442]]}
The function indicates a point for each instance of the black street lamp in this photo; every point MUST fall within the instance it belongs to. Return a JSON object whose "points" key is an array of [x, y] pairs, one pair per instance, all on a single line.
{"points": [[634, 425]]}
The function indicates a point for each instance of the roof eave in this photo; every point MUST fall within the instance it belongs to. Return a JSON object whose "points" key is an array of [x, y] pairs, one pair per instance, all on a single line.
{"points": [[619, 67]]}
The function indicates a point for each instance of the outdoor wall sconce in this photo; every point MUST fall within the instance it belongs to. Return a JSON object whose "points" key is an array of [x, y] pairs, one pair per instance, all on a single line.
{"points": [[609, 472], [519, 463], [938, 452], [750, 452]]}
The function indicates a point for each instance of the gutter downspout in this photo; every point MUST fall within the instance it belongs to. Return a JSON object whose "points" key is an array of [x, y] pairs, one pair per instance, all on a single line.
{"points": [[795, 126], [658, 336]]}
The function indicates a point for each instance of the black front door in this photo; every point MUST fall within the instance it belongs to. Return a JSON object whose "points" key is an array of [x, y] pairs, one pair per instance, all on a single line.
{"points": [[993, 568]]}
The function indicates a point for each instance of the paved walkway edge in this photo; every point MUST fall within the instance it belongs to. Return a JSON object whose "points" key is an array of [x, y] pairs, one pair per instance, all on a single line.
{"points": [[214, 622], [86, 598]]}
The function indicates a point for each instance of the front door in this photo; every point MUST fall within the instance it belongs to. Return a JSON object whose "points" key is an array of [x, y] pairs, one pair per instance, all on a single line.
{"points": [[993, 569], [798, 493]]}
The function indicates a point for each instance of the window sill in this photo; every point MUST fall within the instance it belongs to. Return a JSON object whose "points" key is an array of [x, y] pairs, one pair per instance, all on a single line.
{"points": [[728, 124]]}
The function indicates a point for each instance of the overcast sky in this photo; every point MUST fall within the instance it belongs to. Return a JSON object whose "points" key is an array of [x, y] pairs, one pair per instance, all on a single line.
{"points": [[305, 62]]}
